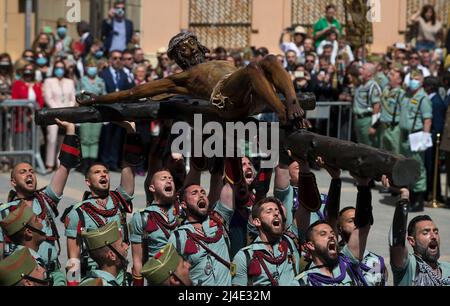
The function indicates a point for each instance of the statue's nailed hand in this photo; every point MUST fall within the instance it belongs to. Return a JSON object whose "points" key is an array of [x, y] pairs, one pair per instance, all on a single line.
{"points": [[296, 115], [85, 98]]}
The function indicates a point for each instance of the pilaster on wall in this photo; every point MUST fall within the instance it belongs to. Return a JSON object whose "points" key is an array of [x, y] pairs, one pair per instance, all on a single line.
{"points": [[393, 21]]}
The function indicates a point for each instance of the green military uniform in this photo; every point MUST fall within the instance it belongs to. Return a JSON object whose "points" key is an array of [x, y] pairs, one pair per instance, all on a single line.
{"points": [[382, 80], [15, 222], [272, 272], [344, 274], [417, 273], [159, 268], [390, 117], [155, 230], [90, 132], [88, 215], [16, 266], [418, 104], [100, 238], [206, 268], [373, 269], [365, 97], [44, 205]]}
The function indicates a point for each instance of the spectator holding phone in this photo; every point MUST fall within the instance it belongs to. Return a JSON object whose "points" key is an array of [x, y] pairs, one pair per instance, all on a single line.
{"points": [[326, 24], [117, 31]]}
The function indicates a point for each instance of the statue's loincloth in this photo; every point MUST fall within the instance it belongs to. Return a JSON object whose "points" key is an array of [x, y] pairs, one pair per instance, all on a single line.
{"points": [[217, 98]]}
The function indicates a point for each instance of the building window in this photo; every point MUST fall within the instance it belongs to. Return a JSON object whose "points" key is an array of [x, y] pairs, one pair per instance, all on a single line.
{"points": [[225, 23]]}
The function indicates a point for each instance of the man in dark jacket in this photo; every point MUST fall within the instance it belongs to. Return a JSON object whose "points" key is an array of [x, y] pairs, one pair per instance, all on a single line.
{"points": [[117, 30], [112, 135]]}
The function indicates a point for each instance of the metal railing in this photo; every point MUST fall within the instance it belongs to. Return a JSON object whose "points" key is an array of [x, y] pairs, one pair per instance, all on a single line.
{"points": [[18, 132], [326, 111]]}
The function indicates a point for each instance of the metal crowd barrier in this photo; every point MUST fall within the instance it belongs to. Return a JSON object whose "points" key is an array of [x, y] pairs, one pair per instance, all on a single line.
{"points": [[324, 111], [18, 132]]}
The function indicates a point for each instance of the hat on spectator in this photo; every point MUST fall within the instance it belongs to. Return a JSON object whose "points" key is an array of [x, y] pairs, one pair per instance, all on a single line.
{"points": [[400, 46], [300, 30]]}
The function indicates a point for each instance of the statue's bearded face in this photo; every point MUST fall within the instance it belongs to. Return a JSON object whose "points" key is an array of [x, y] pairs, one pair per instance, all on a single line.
{"points": [[189, 53]]}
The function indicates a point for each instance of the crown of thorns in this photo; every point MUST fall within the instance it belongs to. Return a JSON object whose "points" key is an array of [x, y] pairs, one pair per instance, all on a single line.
{"points": [[177, 39]]}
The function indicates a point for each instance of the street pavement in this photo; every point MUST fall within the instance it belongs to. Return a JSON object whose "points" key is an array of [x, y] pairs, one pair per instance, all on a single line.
{"points": [[383, 208]]}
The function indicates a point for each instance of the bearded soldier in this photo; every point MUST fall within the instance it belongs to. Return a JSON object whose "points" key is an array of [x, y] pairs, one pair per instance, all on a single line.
{"points": [[422, 267], [152, 226]]}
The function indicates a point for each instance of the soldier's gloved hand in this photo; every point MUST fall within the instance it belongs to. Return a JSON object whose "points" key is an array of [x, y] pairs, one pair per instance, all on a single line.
{"points": [[70, 154]]}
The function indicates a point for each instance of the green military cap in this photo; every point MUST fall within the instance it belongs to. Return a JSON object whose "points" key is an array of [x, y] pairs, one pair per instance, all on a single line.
{"points": [[375, 58], [95, 282], [157, 269], [398, 66], [102, 236], [16, 266], [17, 219]]}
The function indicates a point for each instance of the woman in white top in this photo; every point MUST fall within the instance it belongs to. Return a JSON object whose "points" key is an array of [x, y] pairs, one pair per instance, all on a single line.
{"points": [[59, 91], [429, 28]]}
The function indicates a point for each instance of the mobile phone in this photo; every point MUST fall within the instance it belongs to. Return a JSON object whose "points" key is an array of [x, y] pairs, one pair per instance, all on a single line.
{"points": [[299, 74]]}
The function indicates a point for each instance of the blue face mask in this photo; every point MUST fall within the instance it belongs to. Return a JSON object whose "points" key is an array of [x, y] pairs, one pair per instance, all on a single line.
{"points": [[120, 12], [59, 72], [62, 31], [41, 61], [414, 85], [91, 71], [99, 54]]}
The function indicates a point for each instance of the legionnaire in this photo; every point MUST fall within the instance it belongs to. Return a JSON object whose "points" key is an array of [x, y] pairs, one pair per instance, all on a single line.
{"points": [[304, 193], [24, 229], [281, 191], [102, 206], [240, 229], [167, 268], [422, 267], [372, 265], [415, 116], [21, 269], [390, 112], [366, 106], [152, 226], [43, 202], [202, 238], [331, 266], [380, 77], [272, 259], [107, 248]]}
